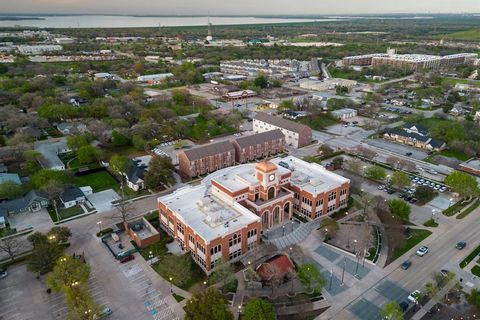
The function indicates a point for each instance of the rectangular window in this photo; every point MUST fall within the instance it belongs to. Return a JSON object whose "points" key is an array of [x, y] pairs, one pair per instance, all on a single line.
{"points": [[296, 196], [235, 254], [307, 201], [216, 249], [318, 213], [331, 208], [251, 233], [319, 202], [332, 196], [237, 238]]}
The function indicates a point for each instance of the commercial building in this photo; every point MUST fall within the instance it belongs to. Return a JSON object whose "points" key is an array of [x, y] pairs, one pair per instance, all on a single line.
{"points": [[327, 84], [362, 60], [38, 49], [206, 159], [224, 216], [296, 134], [282, 68], [240, 94], [260, 145], [471, 166], [344, 113], [154, 77], [414, 135]]}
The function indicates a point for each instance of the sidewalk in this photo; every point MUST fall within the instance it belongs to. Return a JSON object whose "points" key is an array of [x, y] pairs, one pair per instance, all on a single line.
{"points": [[429, 305]]}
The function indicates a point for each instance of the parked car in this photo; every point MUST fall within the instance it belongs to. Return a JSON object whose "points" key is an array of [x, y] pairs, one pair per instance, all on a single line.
{"points": [[413, 200], [406, 264], [403, 306], [127, 258], [444, 272], [408, 154], [3, 274], [381, 187], [414, 296], [461, 245], [423, 250]]}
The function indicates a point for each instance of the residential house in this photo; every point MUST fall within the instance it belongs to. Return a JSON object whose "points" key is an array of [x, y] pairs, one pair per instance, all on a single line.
{"points": [[50, 149], [457, 110], [476, 117], [260, 145], [414, 135], [135, 175], [33, 201], [296, 134], [72, 196], [206, 159], [67, 128]]}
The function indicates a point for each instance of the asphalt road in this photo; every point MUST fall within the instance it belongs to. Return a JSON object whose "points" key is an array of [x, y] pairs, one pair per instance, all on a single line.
{"points": [[442, 254]]}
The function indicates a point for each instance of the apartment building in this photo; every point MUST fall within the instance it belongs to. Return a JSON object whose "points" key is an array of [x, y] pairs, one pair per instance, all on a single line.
{"points": [[414, 135], [226, 214], [206, 159], [296, 134], [260, 145], [361, 60]]}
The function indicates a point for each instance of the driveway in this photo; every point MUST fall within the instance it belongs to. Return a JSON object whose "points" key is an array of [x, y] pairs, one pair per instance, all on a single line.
{"points": [[102, 201], [40, 219]]}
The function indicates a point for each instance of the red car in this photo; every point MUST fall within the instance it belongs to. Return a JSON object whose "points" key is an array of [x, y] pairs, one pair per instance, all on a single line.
{"points": [[126, 259]]}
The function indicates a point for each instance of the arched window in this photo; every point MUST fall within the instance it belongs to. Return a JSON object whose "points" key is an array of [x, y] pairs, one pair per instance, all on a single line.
{"points": [[271, 193]]}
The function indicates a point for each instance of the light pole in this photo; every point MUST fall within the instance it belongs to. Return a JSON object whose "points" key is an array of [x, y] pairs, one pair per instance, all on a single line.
{"points": [[150, 256], [354, 245], [356, 267], [171, 288], [344, 266], [348, 233], [331, 279], [433, 214], [239, 310], [283, 230], [292, 224], [99, 224]]}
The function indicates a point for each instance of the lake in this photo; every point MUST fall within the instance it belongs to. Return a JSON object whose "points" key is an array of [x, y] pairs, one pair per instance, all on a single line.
{"points": [[107, 21]]}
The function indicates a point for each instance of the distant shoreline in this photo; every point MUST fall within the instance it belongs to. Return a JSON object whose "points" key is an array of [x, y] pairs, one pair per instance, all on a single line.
{"points": [[20, 18]]}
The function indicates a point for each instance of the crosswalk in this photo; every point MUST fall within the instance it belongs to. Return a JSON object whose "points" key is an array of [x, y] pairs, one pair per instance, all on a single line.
{"points": [[154, 301]]}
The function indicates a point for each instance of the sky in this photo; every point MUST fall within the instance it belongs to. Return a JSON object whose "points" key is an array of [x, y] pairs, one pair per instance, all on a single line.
{"points": [[259, 7]]}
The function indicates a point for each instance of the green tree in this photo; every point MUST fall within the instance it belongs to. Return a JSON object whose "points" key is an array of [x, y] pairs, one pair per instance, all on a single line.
{"points": [[119, 139], [42, 177], [261, 81], [376, 173], [179, 268], [56, 112], [259, 309], [223, 271], [432, 291], [391, 311], [187, 73], [400, 179], [463, 184], [138, 142], [160, 173], [75, 142], [286, 105], [311, 278], [425, 194], [10, 190], [59, 234], [341, 90], [208, 304], [474, 298], [399, 208], [88, 154], [44, 255], [119, 163], [67, 273]]}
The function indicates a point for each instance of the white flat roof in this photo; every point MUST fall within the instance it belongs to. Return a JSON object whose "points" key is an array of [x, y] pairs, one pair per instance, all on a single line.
{"points": [[311, 177], [208, 216]]}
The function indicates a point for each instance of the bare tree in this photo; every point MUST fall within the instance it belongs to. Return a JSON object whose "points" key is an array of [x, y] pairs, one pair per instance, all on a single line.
{"points": [[11, 246], [124, 208], [366, 152], [53, 190]]}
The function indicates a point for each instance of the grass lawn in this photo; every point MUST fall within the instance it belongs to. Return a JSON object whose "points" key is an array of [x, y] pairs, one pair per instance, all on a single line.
{"points": [[453, 81], [467, 211], [99, 181], [128, 151], [471, 34], [476, 270], [318, 122], [64, 213], [431, 223], [470, 257], [417, 236], [454, 209], [454, 154], [177, 297]]}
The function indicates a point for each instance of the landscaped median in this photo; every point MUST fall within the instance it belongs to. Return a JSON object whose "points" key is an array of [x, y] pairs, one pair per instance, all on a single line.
{"points": [[470, 257], [469, 210], [456, 208]]}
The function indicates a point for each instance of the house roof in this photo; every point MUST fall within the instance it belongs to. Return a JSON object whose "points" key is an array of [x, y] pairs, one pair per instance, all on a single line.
{"points": [[280, 122], [50, 150], [412, 135], [71, 193], [421, 128], [136, 173], [209, 150], [259, 138], [4, 177], [21, 203], [435, 143]]}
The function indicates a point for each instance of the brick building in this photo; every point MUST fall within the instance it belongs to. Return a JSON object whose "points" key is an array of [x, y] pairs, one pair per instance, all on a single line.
{"points": [[206, 159], [471, 166], [296, 134], [258, 145], [225, 215]]}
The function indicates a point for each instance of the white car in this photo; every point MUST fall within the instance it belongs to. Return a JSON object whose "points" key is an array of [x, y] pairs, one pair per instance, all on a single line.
{"points": [[414, 296], [423, 250]]}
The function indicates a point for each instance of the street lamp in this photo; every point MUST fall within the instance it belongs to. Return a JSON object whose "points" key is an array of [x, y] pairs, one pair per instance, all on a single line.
{"points": [[52, 237], [433, 214], [283, 230], [171, 288], [99, 224], [239, 309], [354, 245]]}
